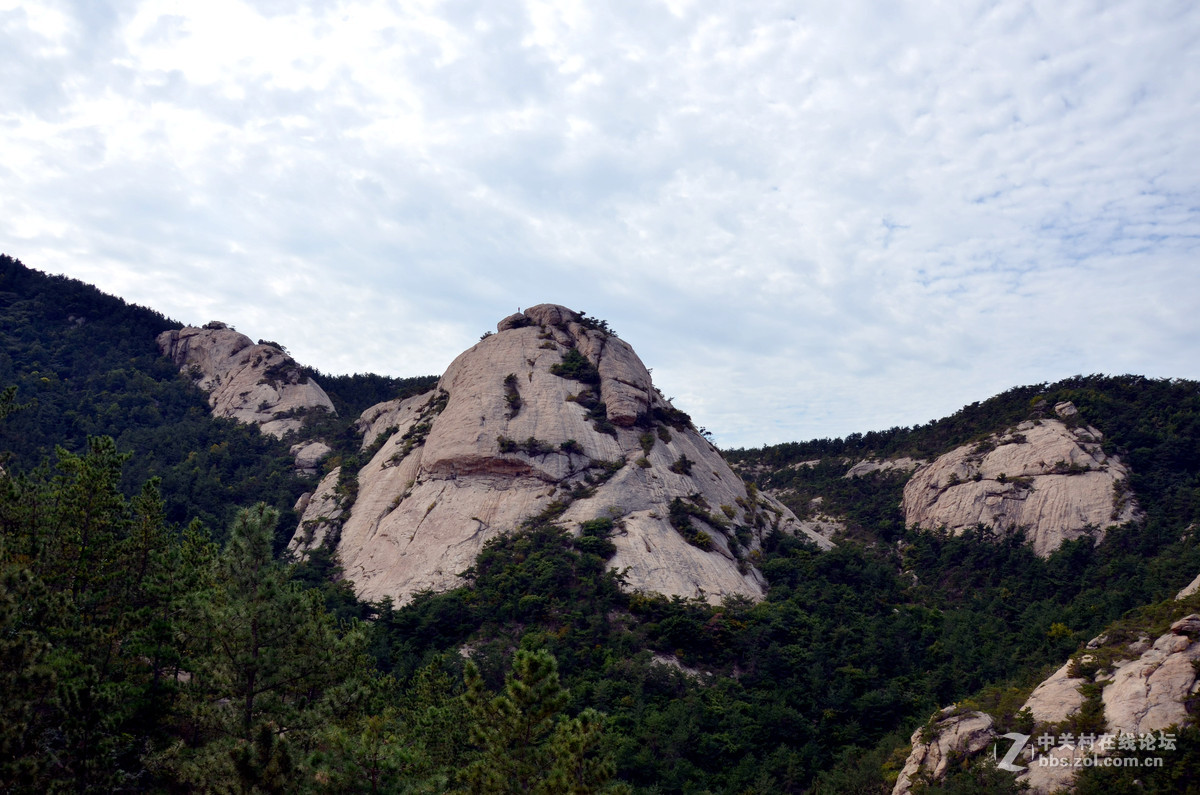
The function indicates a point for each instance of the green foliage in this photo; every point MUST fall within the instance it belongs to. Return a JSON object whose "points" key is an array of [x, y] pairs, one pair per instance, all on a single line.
{"points": [[1177, 773], [646, 440], [85, 364], [269, 672], [526, 743], [680, 515], [577, 367], [597, 412], [512, 396], [136, 654], [530, 447], [596, 324], [682, 466]]}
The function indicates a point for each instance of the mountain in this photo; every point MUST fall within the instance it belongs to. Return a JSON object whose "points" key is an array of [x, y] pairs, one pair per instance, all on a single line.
{"points": [[1119, 699], [1024, 552], [553, 417]]}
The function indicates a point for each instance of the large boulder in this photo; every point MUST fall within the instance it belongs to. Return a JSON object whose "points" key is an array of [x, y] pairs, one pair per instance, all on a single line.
{"points": [[555, 417]]}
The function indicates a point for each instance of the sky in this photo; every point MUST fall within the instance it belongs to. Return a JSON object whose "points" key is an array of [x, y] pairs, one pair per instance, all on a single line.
{"points": [[808, 219]]}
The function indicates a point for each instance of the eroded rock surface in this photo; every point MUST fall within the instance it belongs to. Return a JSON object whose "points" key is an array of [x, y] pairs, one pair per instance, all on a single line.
{"points": [[954, 733], [253, 384], [1150, 692], [1056, 698], [867, 466], [503, 438], [1053, 480], [1146, 688]]}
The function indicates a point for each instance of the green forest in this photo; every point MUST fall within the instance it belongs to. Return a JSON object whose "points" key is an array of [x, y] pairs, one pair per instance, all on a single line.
{"points": [[154, 638]]}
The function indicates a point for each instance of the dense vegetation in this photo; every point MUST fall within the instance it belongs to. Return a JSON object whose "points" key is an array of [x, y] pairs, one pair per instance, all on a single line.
{"points": [[86, 364], [150, 641]]}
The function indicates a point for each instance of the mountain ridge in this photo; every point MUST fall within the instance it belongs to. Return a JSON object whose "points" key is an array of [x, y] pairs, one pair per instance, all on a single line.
{"points": [[816, 687]]}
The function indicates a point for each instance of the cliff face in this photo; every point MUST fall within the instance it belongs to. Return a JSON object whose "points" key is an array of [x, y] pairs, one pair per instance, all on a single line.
{"points": [[555, 417], [253, 384], [1051, 479]]}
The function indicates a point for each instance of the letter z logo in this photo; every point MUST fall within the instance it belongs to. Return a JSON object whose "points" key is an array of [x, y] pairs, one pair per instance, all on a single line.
{"points": [[1018, 746]]}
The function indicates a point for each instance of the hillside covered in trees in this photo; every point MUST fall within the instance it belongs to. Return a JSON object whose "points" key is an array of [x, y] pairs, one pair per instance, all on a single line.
{"points": [[153, 640]]}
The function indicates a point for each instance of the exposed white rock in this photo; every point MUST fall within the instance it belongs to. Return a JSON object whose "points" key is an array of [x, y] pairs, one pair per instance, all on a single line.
{"points": [[867, 466], [502, 438], [1189, 589], [1144, 694], [253, 384], [1054, 481], [1057, 698], [1149, 693], [954, 734], [1065, 409], [308, 455], [1050, 772], [321, 513]]}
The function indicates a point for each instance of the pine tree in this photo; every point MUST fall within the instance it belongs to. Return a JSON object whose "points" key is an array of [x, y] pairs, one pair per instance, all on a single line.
{"points": [[271, 673], [527, 744]]}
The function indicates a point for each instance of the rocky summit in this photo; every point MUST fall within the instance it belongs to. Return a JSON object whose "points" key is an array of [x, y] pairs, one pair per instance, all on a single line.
{"points": [[254, 384], [551, 418]]}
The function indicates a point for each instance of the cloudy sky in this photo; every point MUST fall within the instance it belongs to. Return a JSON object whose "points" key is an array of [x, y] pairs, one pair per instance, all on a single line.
{"points": [[808, 218]]}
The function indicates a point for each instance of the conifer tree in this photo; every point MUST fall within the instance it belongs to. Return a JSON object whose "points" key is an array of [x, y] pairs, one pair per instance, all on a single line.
{"points": [[527, 744], [271, 673]]}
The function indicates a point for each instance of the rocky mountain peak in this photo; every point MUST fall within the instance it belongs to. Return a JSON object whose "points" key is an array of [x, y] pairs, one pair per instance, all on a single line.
{"points": [[553, 416], [257, 384]]}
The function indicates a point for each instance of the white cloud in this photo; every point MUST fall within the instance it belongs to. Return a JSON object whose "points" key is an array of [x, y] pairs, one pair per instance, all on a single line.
{"points": [[809, 221]]}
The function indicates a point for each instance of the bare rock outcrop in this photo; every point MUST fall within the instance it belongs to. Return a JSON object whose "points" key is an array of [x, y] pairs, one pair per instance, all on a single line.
{"points": [[1150, 692], [869, 465], [551, 416], [253, 384], [1053, 480], [1056, 698], [1140, 687], [954, 733]]}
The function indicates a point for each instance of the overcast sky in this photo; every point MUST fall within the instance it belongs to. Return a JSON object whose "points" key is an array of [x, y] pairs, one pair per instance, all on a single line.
{"points": [[807, 218]]}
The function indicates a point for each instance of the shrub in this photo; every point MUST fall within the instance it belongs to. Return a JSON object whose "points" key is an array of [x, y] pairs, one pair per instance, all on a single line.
{"points": [[511, 396], [646, 440], [683, 466], [577, 367]]}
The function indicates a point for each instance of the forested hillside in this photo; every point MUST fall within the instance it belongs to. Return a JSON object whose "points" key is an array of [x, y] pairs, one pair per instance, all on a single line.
{"points": [[85, 364], [151, 642]]}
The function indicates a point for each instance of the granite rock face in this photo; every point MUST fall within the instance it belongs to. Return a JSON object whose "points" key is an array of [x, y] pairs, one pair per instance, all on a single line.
{"points": [[1053, 480], [1149, 692], [253, 384], [868, 466], [1146, 688], [549, 416], [954, 733]]}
